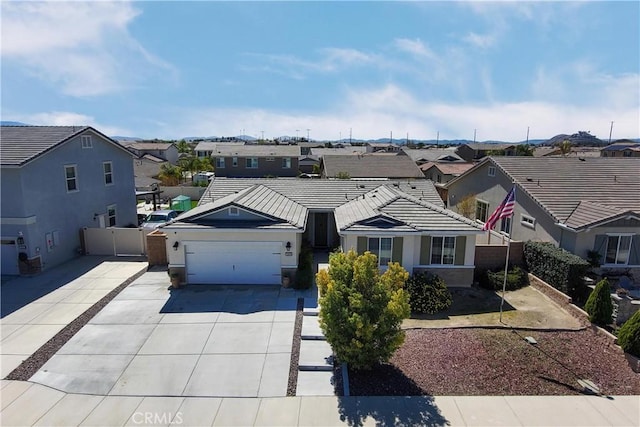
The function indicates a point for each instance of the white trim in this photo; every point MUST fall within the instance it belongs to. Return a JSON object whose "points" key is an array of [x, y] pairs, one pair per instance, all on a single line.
{"points": [[110, 173], [444, 266], [531, 225], [248, 160], [75, 178], [85, 141], [489, 170], [230, 211], [28, 220], [113, 207], [476, 210], [620, 234]]}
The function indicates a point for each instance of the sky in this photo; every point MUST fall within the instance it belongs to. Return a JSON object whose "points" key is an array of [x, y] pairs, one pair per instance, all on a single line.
{"points": [[327, 70]]}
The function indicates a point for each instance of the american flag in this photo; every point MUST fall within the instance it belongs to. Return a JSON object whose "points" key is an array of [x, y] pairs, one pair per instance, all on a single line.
{"points": [[505, 210]]}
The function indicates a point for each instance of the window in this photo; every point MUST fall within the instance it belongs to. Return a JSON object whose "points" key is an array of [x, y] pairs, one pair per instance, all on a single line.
{"points": [[286, 163], [443, 250], [505, 225], [439, 178], [626, 153], [107, 167], [233, 211], [618, 249], [382, 248], [111, 216], [528, 221], [270, 159], [482, 209], [234, 162], [86, 141], [219, 162], [252, 162], [71, 175], [492, 171]]}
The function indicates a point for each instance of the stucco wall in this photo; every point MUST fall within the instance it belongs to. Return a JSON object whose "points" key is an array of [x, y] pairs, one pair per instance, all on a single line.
{"points": [[265, 168], [38, 191]]}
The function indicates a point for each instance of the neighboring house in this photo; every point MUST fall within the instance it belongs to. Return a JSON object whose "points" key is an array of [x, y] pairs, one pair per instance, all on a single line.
{"points": [[55, 181], [306, 146], [252, 230], [146, 169], [207, 148], [163, 150], [308, 163], [440, 155], [578, 204], [255, 161], [478, 150], [370, 166], [386, 147], [339, 151], [623, 148], [441, 173]]}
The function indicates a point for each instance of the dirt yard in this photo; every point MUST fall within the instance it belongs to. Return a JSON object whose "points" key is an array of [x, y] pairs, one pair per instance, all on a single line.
{"points": [[523, 308]]}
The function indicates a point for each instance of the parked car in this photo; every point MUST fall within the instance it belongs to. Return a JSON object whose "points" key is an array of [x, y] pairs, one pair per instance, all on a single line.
{"points": [[157, 218]]}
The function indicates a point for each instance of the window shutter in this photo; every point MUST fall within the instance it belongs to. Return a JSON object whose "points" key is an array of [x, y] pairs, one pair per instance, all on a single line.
{"points": [[396, 256], [362, 245], [600, 246], [634, 257], [461, 245], [425, 250]]}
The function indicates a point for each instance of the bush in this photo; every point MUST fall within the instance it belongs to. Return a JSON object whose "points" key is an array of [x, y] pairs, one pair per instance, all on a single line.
{"points": [[599, 305], [561, 269], [304, 276], [629, 335], [428, 293], [516, 278], [361, 311]]}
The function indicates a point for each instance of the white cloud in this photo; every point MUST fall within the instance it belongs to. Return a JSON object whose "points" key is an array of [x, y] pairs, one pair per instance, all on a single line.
{"points": [[415, 47], [68, 118], [482, 41], [82, 47]]}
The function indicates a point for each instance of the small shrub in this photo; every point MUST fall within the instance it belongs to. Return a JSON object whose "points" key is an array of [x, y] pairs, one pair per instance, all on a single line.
{"points": [[629, 335], [428, 293], [516, 278], [599, 305], [304, 276]]}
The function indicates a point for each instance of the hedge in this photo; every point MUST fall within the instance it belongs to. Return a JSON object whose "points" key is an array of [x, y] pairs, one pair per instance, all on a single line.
{"points": [[428, 293], [629, 335], [516, 278], [558, 267]]}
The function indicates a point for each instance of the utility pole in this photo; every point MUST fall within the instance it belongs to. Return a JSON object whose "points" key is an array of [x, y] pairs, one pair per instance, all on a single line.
{"points": [[297, 130], [349, 136], [474, 136], [407, 138], [308, 135], [437, 138], [527, 135], [391, 138], [610, 131]]}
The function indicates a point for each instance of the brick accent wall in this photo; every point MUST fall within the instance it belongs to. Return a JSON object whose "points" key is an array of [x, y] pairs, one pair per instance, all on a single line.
{"points": [[493, 256], [157, 248]]}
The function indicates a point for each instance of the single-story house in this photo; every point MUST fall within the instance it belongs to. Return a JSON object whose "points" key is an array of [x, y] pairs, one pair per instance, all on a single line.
{"points": [[579, 204], [370, 166], [478, 150], [621, 148], [441, 173], [251, 231]]}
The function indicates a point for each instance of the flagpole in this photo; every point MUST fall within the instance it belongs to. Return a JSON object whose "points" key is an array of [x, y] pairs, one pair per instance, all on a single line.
{"points": [[506, 262]]}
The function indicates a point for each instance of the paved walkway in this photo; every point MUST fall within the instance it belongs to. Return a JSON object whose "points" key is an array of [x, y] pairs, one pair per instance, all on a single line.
{"points": [[35, 317]]}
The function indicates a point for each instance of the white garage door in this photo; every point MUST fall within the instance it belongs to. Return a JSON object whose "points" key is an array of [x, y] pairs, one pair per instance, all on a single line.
{"points": [[246, 263], [9, 255]]}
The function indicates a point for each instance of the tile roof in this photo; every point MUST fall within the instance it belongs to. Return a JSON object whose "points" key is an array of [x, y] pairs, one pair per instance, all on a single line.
{"points": [[621, 146], [588, 213], [211, 145], [488, 146], [21, 144], [561, 184], [401, 212], [432, 155], [322, 194], [455, 169], [368, 166], [338, 151], [257, 150], [283, 211]]}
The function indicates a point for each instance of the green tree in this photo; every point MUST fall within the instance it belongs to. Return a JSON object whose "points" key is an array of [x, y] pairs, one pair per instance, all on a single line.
{"points": [[524, 150], [343, 175], [183, 147], [599, 305], [629, 335], [361, 311], [565, 147], [170, 174]]}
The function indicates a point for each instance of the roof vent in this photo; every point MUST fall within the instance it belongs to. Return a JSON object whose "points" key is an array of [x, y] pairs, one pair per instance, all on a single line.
{"points": [[396, 184], [413, 187], [529, 179]]}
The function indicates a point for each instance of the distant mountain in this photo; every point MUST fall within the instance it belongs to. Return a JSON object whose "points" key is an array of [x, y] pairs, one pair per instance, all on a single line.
{"points": [[126, 138], [3, 123], [581, 138]]}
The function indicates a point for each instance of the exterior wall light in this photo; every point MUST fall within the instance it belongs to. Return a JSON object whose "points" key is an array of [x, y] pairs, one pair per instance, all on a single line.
{"points": [[175, 245], [288, 246]]}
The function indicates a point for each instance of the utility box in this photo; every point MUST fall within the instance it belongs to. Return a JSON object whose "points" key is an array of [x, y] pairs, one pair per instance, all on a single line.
{"points": [[181, 203]]}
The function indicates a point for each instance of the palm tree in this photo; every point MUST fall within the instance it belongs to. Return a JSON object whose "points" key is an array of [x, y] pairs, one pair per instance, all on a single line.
{"points": [[565, 147], [183, 147], [170, 174]]}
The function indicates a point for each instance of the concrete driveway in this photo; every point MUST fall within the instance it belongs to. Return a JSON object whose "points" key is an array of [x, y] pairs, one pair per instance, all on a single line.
{"points": [[195, 341]]}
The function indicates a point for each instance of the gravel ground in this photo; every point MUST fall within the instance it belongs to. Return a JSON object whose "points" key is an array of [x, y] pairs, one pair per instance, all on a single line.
{"points": [[498, 362], [292, 385]]}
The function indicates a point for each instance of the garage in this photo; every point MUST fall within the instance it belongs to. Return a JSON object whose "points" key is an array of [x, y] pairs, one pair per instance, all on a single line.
{"points": [[233, 263]]}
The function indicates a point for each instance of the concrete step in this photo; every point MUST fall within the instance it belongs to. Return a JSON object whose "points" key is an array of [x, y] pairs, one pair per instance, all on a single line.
{"points": [[311, 311], [315, 383], [311, 329], [315, 355]]}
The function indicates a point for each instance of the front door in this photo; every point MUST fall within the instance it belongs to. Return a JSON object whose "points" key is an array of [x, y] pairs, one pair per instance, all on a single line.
{"points": [[320, 229]]}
